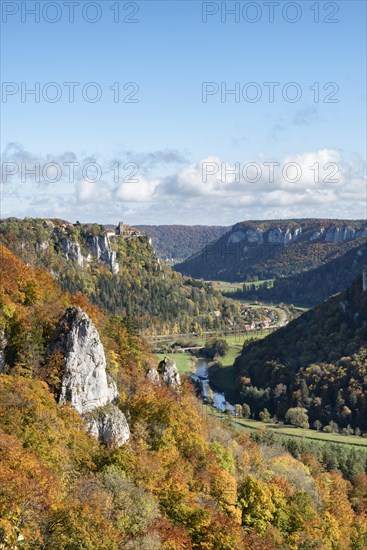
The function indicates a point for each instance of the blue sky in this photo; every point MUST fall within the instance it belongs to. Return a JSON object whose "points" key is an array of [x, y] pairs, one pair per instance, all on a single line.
{"points": [[170, 132]]}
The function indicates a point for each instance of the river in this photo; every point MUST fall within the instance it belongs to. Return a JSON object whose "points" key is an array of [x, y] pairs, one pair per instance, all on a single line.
{"points": [[201, 377]]}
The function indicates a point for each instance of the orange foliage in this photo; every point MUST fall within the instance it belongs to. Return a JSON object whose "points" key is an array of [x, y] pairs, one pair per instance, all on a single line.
{"points": [[27, 493]]}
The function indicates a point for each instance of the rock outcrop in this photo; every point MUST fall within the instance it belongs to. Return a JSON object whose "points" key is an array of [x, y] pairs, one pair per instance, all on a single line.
{"points": [[274, 234], [85, 383], [41, 247], [167, 369], [73, 251], [101, 249], [109, 425], [153, 376], [166, 373]]}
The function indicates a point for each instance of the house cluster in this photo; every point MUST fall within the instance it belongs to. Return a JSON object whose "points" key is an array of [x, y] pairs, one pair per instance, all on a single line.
{"points": [[257, 319]]}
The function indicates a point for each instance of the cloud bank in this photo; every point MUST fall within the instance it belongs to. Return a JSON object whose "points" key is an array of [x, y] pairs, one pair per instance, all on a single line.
{"points": [[323, 183]]}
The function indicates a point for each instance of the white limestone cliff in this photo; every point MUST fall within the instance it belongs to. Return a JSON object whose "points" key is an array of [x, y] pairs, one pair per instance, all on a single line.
{"points": [[101, 249], [85, 382]]}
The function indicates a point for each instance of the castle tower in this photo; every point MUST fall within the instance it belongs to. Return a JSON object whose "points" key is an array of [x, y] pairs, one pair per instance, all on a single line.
{"points": [[120, 229]]}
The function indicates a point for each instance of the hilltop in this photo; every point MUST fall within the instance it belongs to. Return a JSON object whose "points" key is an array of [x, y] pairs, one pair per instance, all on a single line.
{"points": [[273, 249]]}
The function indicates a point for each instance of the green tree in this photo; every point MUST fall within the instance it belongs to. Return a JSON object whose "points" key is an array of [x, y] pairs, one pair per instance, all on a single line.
{"points": [[264, 415], [246, 411], [216, 347], [298, 417]]}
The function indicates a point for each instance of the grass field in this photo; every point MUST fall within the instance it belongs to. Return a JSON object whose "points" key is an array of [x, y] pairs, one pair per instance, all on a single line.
{"points": [[235, 342], [291, 431]]}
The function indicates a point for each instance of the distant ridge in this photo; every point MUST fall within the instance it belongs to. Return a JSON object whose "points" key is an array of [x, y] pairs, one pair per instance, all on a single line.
{"points": [[273, 248], [177, 242]]}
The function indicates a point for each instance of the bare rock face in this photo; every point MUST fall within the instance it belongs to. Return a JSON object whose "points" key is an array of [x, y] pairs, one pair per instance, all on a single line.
{"points": [[153, 376], [166, 373], [101, 249], [85, 383], [73, 251], [249, 235], [167, 369], [109, 425], [287, 235]]}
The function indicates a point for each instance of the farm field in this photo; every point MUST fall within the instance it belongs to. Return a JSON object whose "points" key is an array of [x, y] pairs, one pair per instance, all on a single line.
{"points": [[291, 431]]}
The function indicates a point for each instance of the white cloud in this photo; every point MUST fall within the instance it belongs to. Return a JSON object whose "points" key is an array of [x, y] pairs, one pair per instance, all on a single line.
{"points": [[208, 191], [90, 191], [141, 190]]}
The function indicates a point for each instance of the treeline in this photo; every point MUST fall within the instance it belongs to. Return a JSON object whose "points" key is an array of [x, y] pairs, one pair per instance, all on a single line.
{"points": [[318, 363]]}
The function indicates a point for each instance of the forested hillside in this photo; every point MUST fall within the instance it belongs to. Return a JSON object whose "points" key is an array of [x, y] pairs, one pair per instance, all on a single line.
{"points": [[316, 364], [181, 481], [178, 242], [311, 287], [273, 249], [118, 272]]}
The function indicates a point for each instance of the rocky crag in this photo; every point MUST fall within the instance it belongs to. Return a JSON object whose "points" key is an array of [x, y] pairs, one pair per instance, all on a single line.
{"points": [[85, 383], [167, 373]]}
